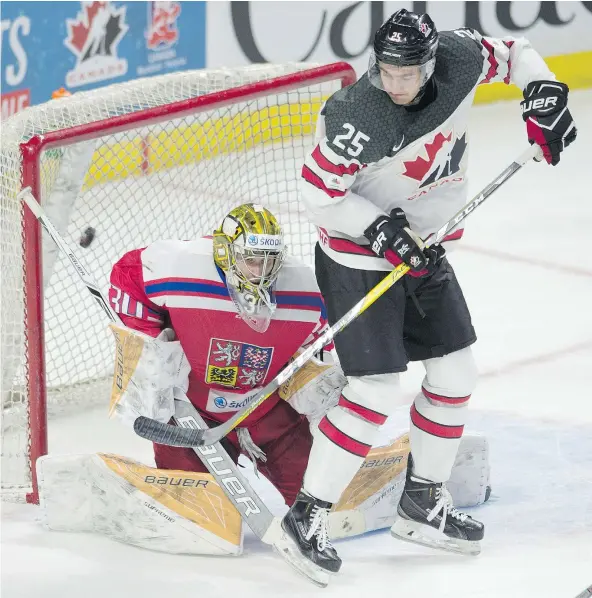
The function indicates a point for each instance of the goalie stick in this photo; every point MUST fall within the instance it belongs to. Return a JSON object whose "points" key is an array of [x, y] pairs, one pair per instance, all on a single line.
{"points": [[167, 434], [233, 483]]}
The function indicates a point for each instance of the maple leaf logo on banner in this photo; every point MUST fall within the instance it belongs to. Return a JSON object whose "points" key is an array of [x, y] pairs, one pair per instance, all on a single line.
{"points": [[78, 31], [96, 31], [93, 37], [419, 167]]}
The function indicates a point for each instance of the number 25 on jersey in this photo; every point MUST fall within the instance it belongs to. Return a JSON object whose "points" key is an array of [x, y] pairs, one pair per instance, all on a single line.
{"points": [[356, 146]]}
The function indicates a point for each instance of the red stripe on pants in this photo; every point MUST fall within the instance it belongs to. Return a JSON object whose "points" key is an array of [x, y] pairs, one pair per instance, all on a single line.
{"points": [[440, 430], [370, 416], [342, 440]]}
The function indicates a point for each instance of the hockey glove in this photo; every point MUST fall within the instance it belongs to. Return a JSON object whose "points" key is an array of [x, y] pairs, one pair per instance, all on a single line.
{"points": [[435, 254], [548, 121], [391, 239]]}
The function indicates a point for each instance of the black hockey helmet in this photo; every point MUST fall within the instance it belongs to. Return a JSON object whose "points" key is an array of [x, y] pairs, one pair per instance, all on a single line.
{"points": [[406, 39]]}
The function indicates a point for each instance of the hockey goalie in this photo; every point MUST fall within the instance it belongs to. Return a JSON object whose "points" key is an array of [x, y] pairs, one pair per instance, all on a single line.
{"points": [[213, 320]]}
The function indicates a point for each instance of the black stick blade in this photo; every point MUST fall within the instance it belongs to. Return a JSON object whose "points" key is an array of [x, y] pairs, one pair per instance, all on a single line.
{"points": [[166, 434]]}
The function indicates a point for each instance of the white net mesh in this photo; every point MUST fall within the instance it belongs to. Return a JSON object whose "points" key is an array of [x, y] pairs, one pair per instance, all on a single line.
{"points": [[174, 179]]}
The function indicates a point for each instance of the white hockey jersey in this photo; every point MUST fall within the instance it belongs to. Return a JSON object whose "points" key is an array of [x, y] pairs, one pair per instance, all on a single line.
{"points": [[372, 155]]}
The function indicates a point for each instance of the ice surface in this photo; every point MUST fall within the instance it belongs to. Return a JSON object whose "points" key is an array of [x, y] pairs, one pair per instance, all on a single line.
{"points": [[526, 269]]}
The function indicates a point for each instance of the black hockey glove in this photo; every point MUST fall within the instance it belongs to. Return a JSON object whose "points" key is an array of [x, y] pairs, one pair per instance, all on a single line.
{"points": [[391, 239], [435, 254], [548, 121]]}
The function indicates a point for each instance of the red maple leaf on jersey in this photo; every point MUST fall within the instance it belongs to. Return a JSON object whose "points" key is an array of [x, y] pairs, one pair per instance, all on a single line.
{"points": [[418, 168], [79, 31]]}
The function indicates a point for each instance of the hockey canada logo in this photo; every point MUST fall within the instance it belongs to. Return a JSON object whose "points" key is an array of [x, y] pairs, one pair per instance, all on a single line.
{"points": [[414, 261], [438, 164], [425, 29], [93, 38], [162, 36], [237, 365], [162, 32]]}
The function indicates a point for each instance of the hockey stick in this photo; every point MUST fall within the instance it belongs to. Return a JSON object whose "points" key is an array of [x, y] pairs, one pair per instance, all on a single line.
{"points": [[167, 434], [236, 487]]}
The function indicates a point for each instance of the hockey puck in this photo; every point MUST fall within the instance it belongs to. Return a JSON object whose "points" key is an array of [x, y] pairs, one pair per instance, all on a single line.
{"points": [[87, 237]]}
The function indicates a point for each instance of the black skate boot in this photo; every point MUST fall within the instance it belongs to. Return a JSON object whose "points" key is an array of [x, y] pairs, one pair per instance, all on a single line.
{"points": [[427, 516], [306, 524]]}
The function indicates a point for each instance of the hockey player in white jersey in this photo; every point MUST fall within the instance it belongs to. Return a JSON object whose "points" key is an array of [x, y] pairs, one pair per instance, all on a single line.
{"points": [[388, 169]]}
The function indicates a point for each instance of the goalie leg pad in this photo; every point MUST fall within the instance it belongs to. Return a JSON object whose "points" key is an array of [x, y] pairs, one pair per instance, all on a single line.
{"points": [[470, 481], [175, 511], [370, 500]]}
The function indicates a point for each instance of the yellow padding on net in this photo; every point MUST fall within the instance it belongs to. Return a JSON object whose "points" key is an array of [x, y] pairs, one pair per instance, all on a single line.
{"points": [[188, 143]]}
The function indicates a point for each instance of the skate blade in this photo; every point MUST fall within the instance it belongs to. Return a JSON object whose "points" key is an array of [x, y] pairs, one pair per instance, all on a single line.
{"points": [[426, 535], [288, 550]]}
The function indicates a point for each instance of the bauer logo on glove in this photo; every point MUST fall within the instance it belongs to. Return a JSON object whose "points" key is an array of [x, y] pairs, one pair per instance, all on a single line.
{"points": [[548, 121]]}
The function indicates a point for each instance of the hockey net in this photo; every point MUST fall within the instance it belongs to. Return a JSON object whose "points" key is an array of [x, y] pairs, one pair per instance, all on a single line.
{"points": [[162, 157]]}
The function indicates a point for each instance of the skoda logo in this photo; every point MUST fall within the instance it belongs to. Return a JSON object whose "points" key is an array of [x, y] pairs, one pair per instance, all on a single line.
{"points": [[220, 402], [252, 240]]}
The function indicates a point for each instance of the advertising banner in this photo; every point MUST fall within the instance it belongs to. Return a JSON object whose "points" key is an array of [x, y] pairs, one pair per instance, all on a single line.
{"points": [[82, 45], [324, 32]]}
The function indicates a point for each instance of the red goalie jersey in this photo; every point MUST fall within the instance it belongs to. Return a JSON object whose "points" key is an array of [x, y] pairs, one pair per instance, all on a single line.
{"points": [[176, 284]]}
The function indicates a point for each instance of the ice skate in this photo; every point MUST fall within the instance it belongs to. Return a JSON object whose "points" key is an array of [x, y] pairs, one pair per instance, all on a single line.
{"points": [[306, 523], [427, 516]]}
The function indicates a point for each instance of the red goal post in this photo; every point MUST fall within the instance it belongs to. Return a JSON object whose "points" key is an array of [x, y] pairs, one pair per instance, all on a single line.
{"points": [[161, 157]]}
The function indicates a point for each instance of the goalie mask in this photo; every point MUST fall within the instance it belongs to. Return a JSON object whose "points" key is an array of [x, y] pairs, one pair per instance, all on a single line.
{"points": [[249, 248]]}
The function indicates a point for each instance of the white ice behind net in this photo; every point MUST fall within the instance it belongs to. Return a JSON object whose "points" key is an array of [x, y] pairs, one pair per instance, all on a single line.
{"points": [[183, 193]]}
